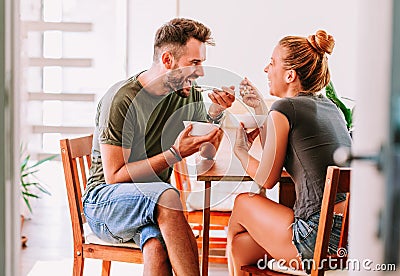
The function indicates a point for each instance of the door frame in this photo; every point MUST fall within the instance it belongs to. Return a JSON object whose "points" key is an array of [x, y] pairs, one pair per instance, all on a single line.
{"points": [[10, 242], [391, 158]]}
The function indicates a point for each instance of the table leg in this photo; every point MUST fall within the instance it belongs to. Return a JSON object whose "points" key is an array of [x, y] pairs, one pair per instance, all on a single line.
{"points": [[287, 193], [206, 229]]}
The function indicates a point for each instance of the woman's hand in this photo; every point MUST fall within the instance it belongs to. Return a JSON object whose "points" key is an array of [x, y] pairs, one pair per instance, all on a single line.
{"points": [[250, 94], [244, 140]]}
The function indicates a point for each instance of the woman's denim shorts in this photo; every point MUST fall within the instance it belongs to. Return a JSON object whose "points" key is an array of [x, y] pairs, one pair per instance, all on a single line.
{"points": [[305, 235], [124, 212]]}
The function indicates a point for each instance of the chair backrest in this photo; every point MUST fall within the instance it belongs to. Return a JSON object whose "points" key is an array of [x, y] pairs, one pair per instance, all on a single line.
{"points": [[337, 180], [182, 181], [76, 159]]}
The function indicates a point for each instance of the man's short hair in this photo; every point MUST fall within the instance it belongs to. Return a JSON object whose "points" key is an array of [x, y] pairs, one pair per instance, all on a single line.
{"points": [[176, 33]]}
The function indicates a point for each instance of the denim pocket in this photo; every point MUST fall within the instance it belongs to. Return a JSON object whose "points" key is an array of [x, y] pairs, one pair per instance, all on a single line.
{"points": [[101, 230], [302, 230], [304, 236]]}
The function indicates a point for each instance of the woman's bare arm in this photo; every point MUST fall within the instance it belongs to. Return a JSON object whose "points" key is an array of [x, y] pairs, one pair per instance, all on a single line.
{"points": [[267, 171]]}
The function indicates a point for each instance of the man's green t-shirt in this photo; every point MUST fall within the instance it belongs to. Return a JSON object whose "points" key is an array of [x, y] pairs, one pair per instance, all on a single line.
{"points": [[129, 117]]}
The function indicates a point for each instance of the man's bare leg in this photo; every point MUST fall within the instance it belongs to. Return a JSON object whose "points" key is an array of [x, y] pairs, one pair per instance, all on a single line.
{"points": [[178, 236], [155, 258]]}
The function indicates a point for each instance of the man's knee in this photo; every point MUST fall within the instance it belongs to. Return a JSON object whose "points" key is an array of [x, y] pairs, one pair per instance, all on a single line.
{"points": [[154, 250], [170, 200]]}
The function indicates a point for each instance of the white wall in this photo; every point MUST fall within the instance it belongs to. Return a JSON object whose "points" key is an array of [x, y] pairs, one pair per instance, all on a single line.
{"points": [[247, 31], [105, 44], [145, 17]]}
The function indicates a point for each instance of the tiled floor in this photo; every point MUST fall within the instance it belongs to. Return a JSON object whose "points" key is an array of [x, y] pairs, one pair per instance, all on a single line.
{"points": [[49, 233]]}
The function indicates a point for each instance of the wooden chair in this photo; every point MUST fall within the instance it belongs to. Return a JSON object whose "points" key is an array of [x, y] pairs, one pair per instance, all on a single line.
{"points": [[76, 154], [337, 180], [218, 219]]}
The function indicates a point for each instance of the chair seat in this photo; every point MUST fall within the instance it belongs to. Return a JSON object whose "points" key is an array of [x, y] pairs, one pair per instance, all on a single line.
{"points": [[90, 237], [275, 266]]}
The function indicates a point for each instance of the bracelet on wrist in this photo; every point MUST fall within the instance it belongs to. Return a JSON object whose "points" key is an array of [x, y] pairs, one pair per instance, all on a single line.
{"points": [[216, 119], [175, 152]]}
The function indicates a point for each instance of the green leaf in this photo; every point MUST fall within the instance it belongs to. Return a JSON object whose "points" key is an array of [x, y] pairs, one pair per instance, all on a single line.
{"points": [[29, 173], [25, 162], [28, 204], [31, 189], [331, 94], [42, 189], [26, 194], [30, 184], [43, 160]]}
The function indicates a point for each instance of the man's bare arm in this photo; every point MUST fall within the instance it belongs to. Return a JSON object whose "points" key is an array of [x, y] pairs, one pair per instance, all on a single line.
{"points": [[118, 170]]}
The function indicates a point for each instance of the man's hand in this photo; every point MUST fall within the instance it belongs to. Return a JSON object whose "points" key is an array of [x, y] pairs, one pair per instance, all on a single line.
{"points": [[222, 99], [187, 144], [209, 149]]}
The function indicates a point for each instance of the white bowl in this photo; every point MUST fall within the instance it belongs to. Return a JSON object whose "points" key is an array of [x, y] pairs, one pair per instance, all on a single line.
{"points": [[249, 120], [200, 128]]}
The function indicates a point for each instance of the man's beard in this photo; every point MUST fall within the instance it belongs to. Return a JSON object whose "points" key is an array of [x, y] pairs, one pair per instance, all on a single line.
{"points": [[176, 80], [182, 93]]}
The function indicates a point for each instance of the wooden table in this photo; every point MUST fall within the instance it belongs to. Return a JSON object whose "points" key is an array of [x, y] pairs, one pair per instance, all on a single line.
{"points": [[226, 167]]}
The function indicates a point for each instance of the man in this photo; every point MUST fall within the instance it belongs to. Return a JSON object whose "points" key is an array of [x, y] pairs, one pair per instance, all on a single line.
{"points": [[135, 144]]}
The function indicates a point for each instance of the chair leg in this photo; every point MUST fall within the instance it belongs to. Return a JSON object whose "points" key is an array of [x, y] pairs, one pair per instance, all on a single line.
{"points": [[79, 263], [106, 268], [318, 272]]}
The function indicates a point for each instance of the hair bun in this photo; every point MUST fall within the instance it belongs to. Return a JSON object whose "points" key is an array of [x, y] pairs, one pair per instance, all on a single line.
{"points": [[322, 42]]}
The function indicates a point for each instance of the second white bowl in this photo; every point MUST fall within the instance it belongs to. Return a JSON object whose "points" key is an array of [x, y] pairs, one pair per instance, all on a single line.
{"points": [[249, 120], [200, 128]]}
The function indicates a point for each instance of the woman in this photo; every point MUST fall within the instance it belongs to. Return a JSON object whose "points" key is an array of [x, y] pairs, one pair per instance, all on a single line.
{"points": [[303, 130]]}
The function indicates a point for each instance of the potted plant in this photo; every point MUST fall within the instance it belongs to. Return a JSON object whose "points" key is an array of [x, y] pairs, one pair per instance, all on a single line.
{"points": [[30, 185], [347, 112]]}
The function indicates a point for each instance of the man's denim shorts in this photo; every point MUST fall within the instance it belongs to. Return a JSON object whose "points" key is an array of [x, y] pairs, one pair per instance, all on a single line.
{"points": [[124, 212], [305, 235]]}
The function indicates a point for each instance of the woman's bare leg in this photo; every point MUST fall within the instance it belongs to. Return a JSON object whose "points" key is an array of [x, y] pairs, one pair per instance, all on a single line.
{"points": [[267, 223], [242, 249]]}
